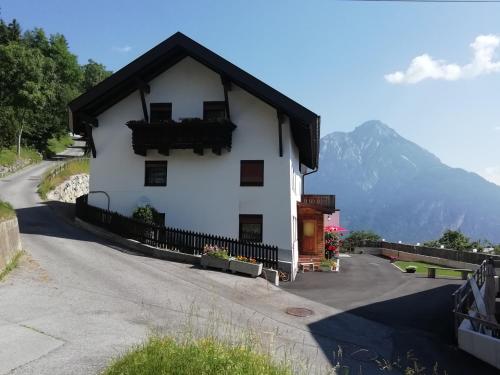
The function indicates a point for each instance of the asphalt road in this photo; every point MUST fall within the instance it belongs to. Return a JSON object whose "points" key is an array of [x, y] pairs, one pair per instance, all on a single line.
{"points": [[76, 302], [417, 309]]}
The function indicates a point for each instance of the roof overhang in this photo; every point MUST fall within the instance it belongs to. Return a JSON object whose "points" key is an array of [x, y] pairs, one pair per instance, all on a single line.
{"points": [[304, 123]]}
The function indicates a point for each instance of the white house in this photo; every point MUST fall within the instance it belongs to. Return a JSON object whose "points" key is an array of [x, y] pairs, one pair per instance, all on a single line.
{"points": [[215, 149]]}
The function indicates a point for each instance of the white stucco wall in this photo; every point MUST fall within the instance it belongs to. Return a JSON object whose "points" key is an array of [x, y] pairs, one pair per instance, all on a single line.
{"points": [[203, 193]]}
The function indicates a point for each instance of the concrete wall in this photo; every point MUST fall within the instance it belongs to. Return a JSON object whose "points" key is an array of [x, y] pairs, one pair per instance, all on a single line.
{"points": [[10, 241], [203, 193]]}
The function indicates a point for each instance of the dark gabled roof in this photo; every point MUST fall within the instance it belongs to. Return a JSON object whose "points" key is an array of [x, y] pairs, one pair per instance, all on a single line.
{"points": [[305, 124]]}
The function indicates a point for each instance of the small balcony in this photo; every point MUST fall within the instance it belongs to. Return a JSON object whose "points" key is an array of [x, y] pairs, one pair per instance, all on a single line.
{"points": [[324, 203], [196, 134]]}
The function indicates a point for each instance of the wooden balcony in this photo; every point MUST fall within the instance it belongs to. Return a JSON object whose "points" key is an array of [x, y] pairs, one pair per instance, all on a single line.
{"points": [[196, 134], [324, 203]]}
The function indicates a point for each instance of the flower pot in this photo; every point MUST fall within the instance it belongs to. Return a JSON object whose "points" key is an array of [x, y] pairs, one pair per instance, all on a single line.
{"points": [[214, 262], [251, 269], [326, 268]]}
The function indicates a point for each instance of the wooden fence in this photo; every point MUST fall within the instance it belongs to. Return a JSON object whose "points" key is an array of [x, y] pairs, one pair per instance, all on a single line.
{"points": [[464, 301], [184, 241]]}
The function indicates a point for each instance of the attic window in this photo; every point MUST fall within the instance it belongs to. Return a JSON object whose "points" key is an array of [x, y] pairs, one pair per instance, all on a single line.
{"points": [[160, 112], [214, 110]]}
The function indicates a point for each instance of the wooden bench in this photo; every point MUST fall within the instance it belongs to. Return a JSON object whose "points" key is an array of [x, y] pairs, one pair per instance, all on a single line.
{"points": [[431, 271]]}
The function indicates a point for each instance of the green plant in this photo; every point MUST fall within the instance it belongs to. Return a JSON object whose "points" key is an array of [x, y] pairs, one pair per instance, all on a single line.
{"points": [[216, 251], [6, 211], [164, 355], [356, 237], [56, 145], [328, 263], [411, 269], [13, 263], [145, 214]]}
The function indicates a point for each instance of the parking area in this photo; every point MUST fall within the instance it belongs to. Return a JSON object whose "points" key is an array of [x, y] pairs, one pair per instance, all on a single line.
{"points": [[418, 309]]}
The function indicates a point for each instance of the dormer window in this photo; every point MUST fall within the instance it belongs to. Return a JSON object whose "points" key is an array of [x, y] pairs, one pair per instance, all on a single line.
{"points": [[160, 112], [214, 110]]}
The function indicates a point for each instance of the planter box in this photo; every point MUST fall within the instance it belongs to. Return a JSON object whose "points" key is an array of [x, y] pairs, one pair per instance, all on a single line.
{"points": [[325, 269], [253, 270], [214, 262], [330, 269]]}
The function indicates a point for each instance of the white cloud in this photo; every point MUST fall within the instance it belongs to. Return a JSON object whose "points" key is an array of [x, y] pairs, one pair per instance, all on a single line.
{"points": [[123, 49], [492, 174], [426, 67]]}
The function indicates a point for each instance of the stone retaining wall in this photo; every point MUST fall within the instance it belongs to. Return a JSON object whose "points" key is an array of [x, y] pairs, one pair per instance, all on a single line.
{"points": [[10, 240]]}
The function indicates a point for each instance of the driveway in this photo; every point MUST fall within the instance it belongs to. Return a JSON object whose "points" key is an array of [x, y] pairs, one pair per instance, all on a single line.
{"points": [[418, 309], [77, 301]]}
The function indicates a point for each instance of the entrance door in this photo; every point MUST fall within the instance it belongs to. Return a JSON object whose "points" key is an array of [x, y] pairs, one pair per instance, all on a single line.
{"points": [[308, 237]]}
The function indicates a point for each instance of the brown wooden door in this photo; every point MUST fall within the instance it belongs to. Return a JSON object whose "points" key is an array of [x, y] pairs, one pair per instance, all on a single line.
{"points": [[308, 236]]}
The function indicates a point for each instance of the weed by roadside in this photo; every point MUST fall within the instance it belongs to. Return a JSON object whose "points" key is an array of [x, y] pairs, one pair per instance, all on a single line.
{"points": [[12, 264], [6, 211]]}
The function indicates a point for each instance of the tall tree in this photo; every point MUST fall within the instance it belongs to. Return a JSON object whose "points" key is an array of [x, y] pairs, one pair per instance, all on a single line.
{"points": [[25, 87], [93, 73]]}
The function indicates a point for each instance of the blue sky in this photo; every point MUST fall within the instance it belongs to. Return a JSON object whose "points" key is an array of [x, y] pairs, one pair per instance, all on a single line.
{"points": [[331, 56]]}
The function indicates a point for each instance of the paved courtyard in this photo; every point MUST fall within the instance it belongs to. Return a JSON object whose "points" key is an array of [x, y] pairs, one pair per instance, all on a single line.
{"points": [[418, 309]]}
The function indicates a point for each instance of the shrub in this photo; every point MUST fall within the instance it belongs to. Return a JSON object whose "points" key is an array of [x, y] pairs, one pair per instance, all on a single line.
{"points": [[145, 214], [328, 263], [216, 251], [411, 269], [57, 145]]}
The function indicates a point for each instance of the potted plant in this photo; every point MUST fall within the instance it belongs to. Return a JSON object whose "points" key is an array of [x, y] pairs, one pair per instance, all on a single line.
{"points": [[411, 269], [327, 265], [245, 265], [215, 257]]}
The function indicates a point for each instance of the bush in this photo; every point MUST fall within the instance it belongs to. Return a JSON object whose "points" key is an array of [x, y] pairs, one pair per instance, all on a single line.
{"points": [[411, 269], [9, 157], [57, 145], [145, 214], [191, 357]]}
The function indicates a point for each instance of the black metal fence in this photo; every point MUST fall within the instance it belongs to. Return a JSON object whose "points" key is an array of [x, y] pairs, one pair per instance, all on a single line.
{"points": [[458, 255], [163, 237]]}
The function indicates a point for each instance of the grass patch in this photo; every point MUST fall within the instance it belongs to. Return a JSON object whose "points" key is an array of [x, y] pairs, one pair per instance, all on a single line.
{"points": [[56, 176], [8, 156], [13, 263], [422, 268], [6, 211], [57, 145], [192, 357]]}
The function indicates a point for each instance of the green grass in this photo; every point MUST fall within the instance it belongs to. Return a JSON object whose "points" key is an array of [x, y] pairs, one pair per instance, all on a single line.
{"points": [[51, 180], [57, 145], [11, 265], [160, 356], [8, 156], [422, 268], [6, 211]]}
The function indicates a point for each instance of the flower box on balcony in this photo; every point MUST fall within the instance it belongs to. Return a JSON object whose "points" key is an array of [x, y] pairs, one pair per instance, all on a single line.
{"points": [[214, 262], [252, 269]]}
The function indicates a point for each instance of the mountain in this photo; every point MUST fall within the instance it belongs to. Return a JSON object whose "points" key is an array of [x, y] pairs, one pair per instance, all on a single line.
{"points": [[388, 184]]}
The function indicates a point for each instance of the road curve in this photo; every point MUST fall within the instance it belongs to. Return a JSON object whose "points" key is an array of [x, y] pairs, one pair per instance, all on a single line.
{"points": [[78, 301]]}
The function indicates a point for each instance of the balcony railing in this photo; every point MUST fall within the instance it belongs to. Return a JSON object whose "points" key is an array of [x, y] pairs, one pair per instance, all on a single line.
{"points": [[196, 134], [323, 202]]}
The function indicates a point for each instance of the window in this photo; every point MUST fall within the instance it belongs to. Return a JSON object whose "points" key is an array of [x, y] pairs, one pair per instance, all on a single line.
{"points": [[156, 173], [214, 110], [252, 173], [251, 228], [160, 112], [159, 218]]}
